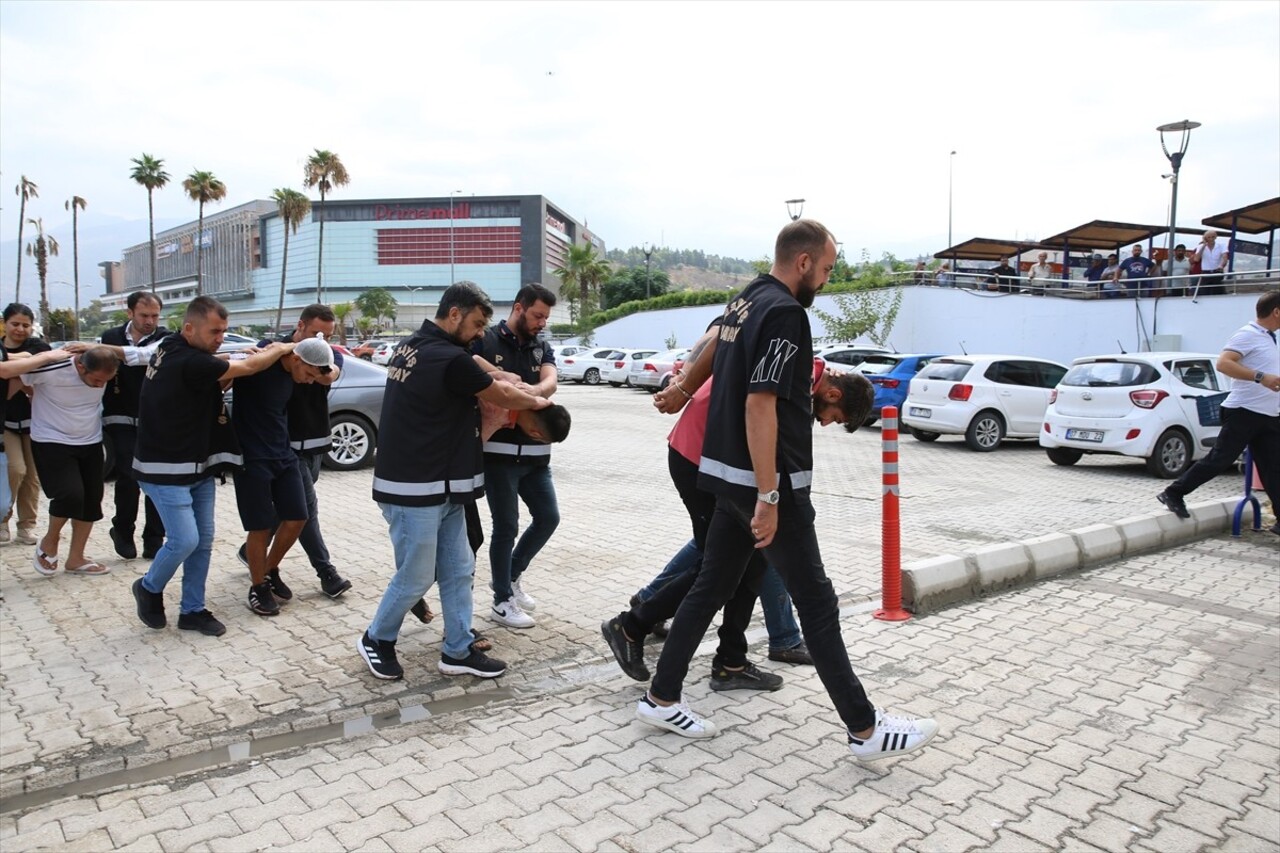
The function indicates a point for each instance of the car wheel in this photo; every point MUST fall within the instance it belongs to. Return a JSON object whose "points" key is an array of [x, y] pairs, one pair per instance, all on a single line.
{"points": [[615, 384], [923, 435], [354, 443], [1064, 455], [367, 357], [1171, 455], [985, 431], [627, 383], [591, 377]]}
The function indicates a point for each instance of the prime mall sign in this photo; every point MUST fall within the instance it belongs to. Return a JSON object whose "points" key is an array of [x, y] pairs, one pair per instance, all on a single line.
{"points": [[383, 212], [390, 211]]}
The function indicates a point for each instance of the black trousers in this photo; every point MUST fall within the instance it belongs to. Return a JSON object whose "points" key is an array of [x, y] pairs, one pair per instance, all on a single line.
{"points": [[1240, 427], [127, 493], [71, 476]]}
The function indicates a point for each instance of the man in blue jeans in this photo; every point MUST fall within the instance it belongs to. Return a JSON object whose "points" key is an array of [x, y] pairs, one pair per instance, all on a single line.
{"points": [[429, 466], [184, 438]]}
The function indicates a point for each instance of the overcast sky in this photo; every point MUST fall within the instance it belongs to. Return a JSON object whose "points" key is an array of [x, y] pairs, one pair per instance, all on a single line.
{"points": [[687, 122]]}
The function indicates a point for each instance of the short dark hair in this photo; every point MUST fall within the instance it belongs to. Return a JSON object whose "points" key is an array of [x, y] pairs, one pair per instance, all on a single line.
{"points": [[1268, 302], [466, 296], [18, 308], [532, 293], [857, 396], [554, 421], [804, 236], [317, 311], [1182, 246], [143, 296], [201, 307], [99, 358]]}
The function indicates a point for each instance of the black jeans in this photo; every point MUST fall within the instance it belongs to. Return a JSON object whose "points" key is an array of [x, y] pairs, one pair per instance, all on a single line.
{"points": [[1240, 427], [794, 553], [127, 492]]}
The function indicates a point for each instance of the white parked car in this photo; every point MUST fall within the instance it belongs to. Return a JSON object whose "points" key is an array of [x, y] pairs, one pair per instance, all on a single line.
{"points": [[383, 352], [589, 366], [572, 349], [623, 367], [655, 371], [1152, 405], [845, 357], [985, 398]]}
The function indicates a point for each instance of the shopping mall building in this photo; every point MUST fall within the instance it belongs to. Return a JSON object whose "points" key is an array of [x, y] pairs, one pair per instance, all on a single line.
{"points": [[414, 247]]}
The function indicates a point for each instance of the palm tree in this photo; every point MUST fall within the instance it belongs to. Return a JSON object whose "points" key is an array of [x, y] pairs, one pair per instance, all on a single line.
{"points": [[342, 311], [294, 207], [42, 248], [582, 271], [376, 303], [149, 172], [75, 205], [202, 187], [25, 189], [323, 169]]}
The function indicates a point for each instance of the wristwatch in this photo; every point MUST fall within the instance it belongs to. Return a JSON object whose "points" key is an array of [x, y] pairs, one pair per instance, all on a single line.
{"points": [[1257, 377], [768, 497]]}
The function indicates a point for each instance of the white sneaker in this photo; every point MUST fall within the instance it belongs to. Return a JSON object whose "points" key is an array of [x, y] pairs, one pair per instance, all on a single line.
{"points": [[26, 536], [509, 613], [678, 718], [524, 599], [894, 735], [4, 532]]}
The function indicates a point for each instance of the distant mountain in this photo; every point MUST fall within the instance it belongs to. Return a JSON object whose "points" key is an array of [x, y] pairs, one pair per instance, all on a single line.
{"points": [[102, 238]]}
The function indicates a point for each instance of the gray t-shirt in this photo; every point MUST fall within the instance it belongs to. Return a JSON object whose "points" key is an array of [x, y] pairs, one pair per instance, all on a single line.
{"points": [[64, 410]]}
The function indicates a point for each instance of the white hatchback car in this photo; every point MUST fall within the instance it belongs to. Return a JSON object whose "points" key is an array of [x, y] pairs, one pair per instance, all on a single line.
{"points": [[589, 366], [628, 365], [845, 357], [1152, 405], [985, 398]]}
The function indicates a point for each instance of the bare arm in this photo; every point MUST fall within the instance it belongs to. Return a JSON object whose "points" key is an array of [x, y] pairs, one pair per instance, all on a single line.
{"points": [[1229, 364], [762, 443], [21, 362], [695, 372], [508, 396], [547, 381], [257, 362]]}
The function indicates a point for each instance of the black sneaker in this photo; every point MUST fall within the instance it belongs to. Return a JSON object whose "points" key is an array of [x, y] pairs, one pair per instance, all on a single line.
{"points": [[476, 663], [796, 654], [150, 606], [381, 658], [262, 601], [662, 628], [203, 622], [124, 543], [627, 652], [151, 547], [750, 677], [332, 584], [242, 555], [1175, 503], [279, 588]]}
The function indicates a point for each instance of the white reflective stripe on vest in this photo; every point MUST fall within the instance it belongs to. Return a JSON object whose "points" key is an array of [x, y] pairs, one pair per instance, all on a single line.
{"points": [[181, 468], [508, 449], [16, 425], [740, 477], [435, 487], [312, 443], [119, 420]]}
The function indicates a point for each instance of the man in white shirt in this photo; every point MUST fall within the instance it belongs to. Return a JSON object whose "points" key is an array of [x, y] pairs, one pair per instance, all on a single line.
{"points": [[1040, 274], [66, 441], [1176, 270], [1250, 414], [1212, 257]]}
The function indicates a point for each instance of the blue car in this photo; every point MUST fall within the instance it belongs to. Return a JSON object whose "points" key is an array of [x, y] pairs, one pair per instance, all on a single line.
{"points": [[890, 374]]}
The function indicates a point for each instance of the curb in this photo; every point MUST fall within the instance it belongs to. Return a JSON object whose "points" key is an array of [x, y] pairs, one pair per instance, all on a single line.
{"points": [[931, 584]]}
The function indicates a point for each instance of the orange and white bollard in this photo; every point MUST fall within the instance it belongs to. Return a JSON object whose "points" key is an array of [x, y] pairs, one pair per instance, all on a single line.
{"points": [[890, 524]]}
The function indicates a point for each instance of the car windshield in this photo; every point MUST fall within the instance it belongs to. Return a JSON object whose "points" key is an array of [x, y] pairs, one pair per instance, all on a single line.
{"points": [[1110, 374], [948, 371]]}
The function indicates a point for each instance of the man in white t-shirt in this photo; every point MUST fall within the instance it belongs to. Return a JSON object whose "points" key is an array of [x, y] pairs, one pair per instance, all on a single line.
{"points": [[66, 442], [1040, 275], [1212, 257], [1178, 267]]}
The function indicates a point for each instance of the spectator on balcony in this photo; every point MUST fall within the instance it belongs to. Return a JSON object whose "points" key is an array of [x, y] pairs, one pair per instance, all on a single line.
{"points": [[1040, 275], [1111, 288], [1136, 271], [1212, 257], [1004, 278]]}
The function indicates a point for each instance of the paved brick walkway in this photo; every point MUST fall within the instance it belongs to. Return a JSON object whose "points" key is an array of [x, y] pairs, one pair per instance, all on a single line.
{"points": [[1129, 707]]}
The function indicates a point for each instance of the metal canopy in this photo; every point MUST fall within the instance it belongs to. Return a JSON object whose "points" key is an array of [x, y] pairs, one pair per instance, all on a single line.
{"points": [[1101, 234], [987, 249], [1253, 219]]}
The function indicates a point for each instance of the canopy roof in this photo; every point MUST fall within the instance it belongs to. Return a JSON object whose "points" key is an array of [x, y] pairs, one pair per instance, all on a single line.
{"points": [[1253, 219], [1101, 234], [987, 249]]}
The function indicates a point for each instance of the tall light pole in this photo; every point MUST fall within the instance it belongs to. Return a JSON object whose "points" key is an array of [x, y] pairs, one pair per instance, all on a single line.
{"points": [[648, 285], [795, 207], [413, 296], [1175, 159], [452, 193], [951, 161]]}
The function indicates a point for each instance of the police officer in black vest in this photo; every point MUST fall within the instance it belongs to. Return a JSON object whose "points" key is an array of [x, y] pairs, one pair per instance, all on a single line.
{"points": [[120, 425], [515, 465]]}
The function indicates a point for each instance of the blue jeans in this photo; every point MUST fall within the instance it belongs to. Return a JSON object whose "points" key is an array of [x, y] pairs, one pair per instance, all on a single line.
{"points": [[187, 513], [784, 631], [529, 479], [430, 544]]}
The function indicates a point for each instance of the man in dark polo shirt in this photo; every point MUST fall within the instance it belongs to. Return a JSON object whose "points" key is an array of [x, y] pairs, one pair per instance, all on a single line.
{"points": [[429, 466], [120, 426], [184, 438], [270, 494], [757, 458], [516, 466]]}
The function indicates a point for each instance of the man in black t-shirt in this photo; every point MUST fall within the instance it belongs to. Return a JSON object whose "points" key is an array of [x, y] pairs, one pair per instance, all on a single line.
{"points": [[757, 458]]}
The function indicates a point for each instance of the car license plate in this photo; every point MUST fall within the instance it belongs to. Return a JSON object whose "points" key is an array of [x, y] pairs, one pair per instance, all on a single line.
{"points": [[1085, 434], [917, 412]]}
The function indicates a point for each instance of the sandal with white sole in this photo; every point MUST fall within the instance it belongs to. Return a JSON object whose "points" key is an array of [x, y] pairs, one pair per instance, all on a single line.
{"points": [[43, 563], [93, 567]]}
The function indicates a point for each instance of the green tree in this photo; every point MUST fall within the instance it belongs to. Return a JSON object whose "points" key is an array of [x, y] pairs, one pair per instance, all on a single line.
{"points": [[342, 311], [92, 319], [580, 276], [118, 318], [42, 248], [324, 170], [26, 189], [60, 325], [870, 307], [202, 188], [293, 207], [377, 303], [76, 204], [365, 325], [631, 284], [149, 172]]}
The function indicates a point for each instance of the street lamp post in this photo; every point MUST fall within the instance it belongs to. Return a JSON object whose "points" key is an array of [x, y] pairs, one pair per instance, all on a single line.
{"points": [[950, 171], [1175, 159], [795, 207], [452, 193], [648, 285], [413, 297]]}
